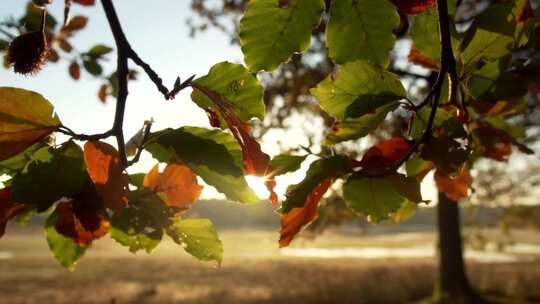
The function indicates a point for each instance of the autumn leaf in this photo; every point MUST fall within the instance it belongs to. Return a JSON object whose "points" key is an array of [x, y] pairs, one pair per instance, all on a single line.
{"points": [[293, 221], [106, 171], [526, 12], [456, 188], [256, 162], [103, 92], [80, 222], [26, 117], [416, 57], [75, 70], [85, 2], [177, 182], [386, 154], [8, 209], [413, 7]]}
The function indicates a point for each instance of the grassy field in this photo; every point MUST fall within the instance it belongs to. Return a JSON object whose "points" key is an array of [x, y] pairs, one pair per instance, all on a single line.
{"points": [[253, 271]]}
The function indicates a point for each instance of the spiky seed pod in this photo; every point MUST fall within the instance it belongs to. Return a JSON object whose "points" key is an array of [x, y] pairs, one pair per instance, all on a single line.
{"points": [[28, 53], [42, 3]]}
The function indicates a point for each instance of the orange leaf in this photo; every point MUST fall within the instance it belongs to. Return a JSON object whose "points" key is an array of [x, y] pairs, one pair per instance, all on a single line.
{"points": [[106, 171], [293, 221], [386, 154], [8, 209], [102, 93], [456, 188], [177, 182], [417, 57], [81, 222], [413, 7]]}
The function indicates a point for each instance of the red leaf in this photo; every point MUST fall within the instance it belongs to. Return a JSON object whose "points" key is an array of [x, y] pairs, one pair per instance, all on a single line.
{"points": [[417, 57], [526, 13], [8, 209], [413, 7], [81, 222], [213, 118], [75, 70], [293, 221], [106, 171], [85, 2], [386, 154], [456, 188], [256, 162]]}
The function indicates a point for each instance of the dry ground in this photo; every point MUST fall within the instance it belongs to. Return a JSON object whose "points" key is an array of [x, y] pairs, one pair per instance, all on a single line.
{"points": [[253, 272]]}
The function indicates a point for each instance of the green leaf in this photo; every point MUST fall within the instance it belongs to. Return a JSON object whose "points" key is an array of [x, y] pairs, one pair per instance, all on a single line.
{"points": [[416, 165], [407, 210], [51, 175], [136, 242], [374, 197], [137, 179], [26, 117], [491, 36], [514, 130], [213, 155], [64, 249], [270, 34], [32, 19], [354, 128], [93, 67], [140, 225], [99, 50], [284, 163], [318, 171], [443, 120], [13, 165], [359, 88], [198, 237], [425, 35], [409, 187], [493, 83], [237, 85], [361, 29]]}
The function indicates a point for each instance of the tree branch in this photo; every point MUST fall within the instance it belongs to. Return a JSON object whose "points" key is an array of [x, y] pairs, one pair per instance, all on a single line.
{"points": [[448, 66]]}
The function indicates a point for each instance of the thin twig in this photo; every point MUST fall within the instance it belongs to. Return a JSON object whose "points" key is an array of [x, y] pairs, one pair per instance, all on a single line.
{"points": [[146, 133], [448, 66]]}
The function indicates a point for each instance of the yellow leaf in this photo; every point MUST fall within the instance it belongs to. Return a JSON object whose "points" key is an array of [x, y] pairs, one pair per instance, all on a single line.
{"points": [[25, 118]]}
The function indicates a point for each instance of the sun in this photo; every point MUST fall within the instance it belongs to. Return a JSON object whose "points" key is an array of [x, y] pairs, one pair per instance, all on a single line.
{"points": [[256, 183]]}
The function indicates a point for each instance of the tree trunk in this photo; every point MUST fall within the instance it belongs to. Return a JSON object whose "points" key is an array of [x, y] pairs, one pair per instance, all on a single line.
{"points": [[453, 283]]}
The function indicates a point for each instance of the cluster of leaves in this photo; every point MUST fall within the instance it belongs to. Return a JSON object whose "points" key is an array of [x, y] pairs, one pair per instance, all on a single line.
{"points": [[465, 117], [471, 119]]}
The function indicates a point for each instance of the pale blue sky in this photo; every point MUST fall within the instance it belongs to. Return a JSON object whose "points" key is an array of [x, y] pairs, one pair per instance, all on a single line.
{"points": [[157, 31]]}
